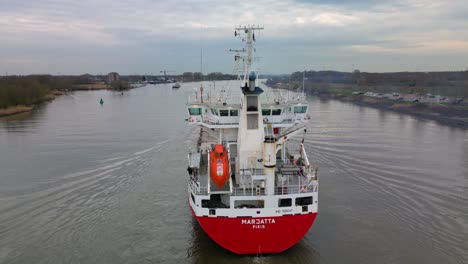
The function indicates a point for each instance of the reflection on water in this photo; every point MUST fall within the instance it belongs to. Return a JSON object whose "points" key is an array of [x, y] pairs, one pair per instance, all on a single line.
{"points": [[382, 115], [85, 183], [21, 123]]}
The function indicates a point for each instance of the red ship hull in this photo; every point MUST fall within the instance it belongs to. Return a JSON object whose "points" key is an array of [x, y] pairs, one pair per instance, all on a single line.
{"points": [[244, 235]]}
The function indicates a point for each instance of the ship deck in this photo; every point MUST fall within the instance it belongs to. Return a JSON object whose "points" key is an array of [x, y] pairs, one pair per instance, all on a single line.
{"points": [[289, 180]]}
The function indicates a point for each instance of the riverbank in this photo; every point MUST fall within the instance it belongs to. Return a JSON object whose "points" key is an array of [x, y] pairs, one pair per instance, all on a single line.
{"points": [[91, 87], [19, 109], [117, 86], [22, 108], [13, 110], [453, 115]]}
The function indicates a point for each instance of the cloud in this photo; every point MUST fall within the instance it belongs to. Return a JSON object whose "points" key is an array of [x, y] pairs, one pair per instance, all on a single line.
{"points": [[417, 47], [20, 28], [328, 19], [146, 34]]}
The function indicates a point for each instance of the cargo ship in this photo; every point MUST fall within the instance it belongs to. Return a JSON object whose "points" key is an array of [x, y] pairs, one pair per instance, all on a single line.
{"points": [[251, 186]]}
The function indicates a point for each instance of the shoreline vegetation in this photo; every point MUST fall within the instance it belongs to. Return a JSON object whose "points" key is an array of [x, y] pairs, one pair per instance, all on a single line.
{"points": [[19, 94], [13, 110], [438, 96], [22, 94]]}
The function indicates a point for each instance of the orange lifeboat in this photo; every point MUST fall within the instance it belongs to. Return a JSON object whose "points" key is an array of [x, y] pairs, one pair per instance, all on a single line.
{"points": [[219, 165]]}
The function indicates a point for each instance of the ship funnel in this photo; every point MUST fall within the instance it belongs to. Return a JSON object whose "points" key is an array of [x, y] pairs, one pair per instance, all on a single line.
{"points": [[252, 77]]}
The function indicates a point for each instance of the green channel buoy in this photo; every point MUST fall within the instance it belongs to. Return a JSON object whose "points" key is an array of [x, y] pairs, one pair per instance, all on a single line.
{"points": [[101, 102]]}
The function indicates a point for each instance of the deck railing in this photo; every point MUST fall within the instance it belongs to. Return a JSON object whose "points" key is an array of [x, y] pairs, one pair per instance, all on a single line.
{"points": [[286, 119], [279, 190], [293, 189]]}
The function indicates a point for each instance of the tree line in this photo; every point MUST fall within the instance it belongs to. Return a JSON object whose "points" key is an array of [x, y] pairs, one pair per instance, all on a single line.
{"points": [[27, 90], [213, 76], [34, 89], [449, 83]]}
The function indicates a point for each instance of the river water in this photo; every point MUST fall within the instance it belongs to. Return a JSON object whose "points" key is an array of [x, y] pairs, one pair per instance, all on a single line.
{"points": [[85, 183]]}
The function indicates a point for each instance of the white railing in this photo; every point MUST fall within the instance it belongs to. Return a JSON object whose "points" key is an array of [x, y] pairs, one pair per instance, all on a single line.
{"points": [[216, 99], [194, 186], [297, 188], [206, 119], [287, 119], [282, 97], [309, 187], [197, 189], [270, 97], [248, 191], [279, 190], [230, 96]]}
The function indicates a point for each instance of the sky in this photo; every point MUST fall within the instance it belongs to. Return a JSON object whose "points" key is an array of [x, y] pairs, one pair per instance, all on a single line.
{"points": [[148, 36]]}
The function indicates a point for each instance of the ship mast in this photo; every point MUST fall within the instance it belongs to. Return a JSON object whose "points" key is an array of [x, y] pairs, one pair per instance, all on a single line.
{"points": [[249, 32], [251, 127]]}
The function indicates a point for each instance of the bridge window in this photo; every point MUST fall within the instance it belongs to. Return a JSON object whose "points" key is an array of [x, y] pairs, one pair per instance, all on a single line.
{"points": [[214, 112], [224, 112], [285, 202], [276, 111], [266, 112], [300, 109], [233, 113], [304, 200], [195, 111]]}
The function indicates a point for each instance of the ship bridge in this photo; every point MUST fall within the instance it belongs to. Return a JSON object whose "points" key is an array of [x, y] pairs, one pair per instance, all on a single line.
{"points": [[222, 110]]}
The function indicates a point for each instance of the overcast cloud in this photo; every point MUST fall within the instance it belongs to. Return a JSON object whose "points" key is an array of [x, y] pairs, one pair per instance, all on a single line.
{"points": [[143, 36]]}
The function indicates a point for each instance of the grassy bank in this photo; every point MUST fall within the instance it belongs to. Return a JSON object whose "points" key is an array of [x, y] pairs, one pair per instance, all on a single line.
{"points": [[21, 93], [91, 86], [18, 109], [116, 85], [15, 110], [340, 86], [27, 90]]}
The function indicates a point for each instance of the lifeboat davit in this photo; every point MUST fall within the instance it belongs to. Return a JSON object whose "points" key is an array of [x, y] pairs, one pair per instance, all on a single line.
{"points": [[219, 165]]}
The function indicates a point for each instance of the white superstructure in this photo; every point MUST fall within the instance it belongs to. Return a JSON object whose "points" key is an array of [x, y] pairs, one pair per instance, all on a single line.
{"points": [[266, 180]]}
